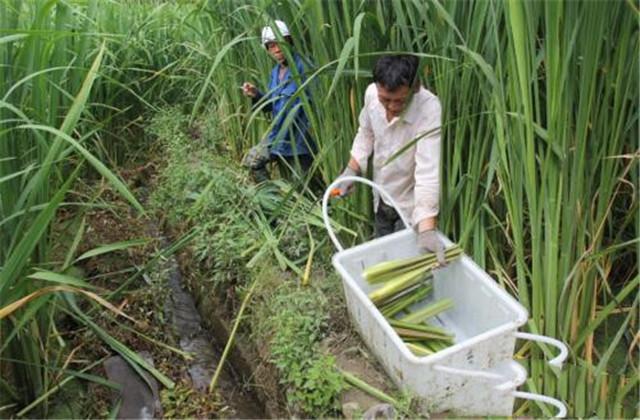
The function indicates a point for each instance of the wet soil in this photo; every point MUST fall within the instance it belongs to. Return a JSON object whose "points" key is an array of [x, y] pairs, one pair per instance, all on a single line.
{"points": [[250, 360]]}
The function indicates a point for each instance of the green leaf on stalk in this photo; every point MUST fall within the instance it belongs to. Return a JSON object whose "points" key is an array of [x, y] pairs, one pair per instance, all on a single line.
{"points": [[357, 28], [74, 245], [19, 256], [411, 144], [12, 38], [95, 162], [116, 246], [631, 286], [219, 56], [53, 277]]}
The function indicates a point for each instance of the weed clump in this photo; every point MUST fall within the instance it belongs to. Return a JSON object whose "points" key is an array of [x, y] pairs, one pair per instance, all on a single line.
{"points": [[196, 188], [297, 321]]}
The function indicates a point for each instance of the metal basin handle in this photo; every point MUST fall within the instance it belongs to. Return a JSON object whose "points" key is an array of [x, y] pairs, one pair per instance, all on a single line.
{"points": [[520, 375], [507, 385], [327, 196], [562, 410], [564, 351]]}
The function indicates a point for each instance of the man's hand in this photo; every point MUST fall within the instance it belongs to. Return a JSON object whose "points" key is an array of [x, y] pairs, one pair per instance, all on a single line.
{"points": [[249, 90], [428, 241], [345, 187]]}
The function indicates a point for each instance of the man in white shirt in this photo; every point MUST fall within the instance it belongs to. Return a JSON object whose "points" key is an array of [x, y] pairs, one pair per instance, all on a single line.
{"points": [[399, 113]]}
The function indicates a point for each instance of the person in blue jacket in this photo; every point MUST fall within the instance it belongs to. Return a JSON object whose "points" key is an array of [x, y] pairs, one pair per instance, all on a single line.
{"points": [[289, 142]]}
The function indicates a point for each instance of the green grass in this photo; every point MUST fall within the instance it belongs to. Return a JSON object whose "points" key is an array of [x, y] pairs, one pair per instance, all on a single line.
{"points": [[297, 321]]}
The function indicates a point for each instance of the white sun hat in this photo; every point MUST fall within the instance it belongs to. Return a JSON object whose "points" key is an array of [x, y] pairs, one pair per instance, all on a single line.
{"points": [[269, 35]]}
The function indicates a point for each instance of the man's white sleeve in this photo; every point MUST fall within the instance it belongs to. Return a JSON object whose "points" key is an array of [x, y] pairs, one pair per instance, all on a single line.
{"points": [[427, 173], [363, 143]]}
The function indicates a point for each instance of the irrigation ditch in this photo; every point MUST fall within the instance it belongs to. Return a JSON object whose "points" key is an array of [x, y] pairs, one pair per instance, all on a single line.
{"points": [[251, 383], [205, 341]]}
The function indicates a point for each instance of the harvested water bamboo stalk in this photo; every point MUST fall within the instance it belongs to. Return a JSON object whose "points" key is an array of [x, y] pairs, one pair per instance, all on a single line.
{"points": [[362, 385], [382, 271], [409, 333], [375, 271], [396, 286], [418, 349], [408, 277], [387, 274], [428, 311], [399, 297], [395, 307], [419, 327], [404, 284], [435, 345]]}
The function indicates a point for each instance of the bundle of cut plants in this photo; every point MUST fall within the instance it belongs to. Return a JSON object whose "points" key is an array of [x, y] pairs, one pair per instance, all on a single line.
{"points": [[401, 275], [407, 282]]}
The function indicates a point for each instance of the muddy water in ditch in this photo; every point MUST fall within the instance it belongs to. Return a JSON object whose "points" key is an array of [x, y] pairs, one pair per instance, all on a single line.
{"points": [[195, 339]]}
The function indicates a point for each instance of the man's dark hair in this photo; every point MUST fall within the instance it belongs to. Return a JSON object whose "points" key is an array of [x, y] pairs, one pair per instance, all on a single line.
{"points": [[393, 71]]}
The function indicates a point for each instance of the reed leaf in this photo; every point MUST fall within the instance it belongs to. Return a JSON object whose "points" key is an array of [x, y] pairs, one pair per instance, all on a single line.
{"points": [[54, 277], [118, 246]]}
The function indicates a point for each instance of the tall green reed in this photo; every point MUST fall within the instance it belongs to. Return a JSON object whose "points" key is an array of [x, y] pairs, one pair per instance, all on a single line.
{"points": [[70, 74]]}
